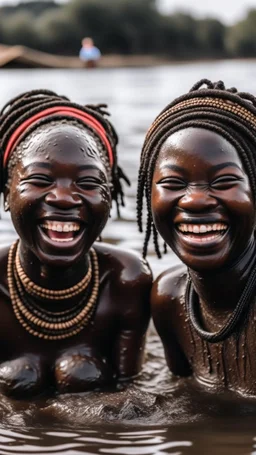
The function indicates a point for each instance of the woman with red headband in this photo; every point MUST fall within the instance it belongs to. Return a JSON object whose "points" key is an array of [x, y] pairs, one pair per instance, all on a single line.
{"points": [[73, 313]]}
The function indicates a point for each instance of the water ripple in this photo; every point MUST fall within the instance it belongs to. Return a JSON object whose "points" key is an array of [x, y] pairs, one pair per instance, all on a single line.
{"points": [[135, 443]]}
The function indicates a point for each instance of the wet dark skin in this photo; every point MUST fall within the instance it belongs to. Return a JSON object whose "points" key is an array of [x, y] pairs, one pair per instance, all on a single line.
{"points": [[58, 179], [199, 179]]}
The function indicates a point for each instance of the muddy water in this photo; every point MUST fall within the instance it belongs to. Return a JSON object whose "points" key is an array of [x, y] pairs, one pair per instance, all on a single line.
{"points": [[156, 414]]}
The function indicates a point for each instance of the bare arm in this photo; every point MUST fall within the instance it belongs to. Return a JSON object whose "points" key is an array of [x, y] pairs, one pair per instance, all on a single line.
{"points": [[164, 312], [133, 323]]}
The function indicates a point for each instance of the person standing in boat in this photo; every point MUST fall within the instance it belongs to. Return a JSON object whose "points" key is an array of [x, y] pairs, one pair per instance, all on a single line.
{"points": [[198, 173], [89, 53]]}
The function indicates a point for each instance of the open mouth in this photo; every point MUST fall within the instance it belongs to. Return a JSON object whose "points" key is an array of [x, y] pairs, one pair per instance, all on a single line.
{"points": [[61, 231], [202, 233]]}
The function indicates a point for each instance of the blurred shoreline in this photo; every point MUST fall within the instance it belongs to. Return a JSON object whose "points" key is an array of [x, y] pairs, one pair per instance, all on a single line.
{"points": [[25, 57]]}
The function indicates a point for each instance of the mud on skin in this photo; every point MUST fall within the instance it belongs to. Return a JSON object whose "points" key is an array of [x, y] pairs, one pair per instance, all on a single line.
{"points": [[155, 398], [57, 191], [202, 205]]}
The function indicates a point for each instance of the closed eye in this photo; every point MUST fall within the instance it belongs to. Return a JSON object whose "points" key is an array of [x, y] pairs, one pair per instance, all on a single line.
{"points": [[38, 180], [225, 182], [90, 182], [172, 183]]}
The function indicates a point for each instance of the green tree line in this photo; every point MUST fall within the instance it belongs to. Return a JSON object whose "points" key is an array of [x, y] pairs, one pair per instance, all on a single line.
{"points": [[124, 27]]}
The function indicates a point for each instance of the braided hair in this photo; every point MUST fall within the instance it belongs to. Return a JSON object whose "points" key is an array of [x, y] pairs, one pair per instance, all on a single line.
{"points": [[28, 104], [208, 105]]}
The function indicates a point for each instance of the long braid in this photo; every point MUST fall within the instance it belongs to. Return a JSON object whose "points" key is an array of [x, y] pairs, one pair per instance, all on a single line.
{"points": [[227, 112], [28, 104]]}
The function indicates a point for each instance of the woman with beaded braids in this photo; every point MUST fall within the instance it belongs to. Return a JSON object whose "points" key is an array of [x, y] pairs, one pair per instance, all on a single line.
{"points": [[73, 313], [198, 173]]}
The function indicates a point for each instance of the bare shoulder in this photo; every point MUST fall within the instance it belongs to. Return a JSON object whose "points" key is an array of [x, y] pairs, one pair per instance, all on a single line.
{"points": [[169, 315], [3, 264], [125, 264], [4, 250], [3, 260], [170, 283], [168, 288], [128, 279]]}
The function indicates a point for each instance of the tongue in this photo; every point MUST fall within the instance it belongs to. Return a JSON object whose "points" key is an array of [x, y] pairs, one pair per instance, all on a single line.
{"points": [[60, 235]]}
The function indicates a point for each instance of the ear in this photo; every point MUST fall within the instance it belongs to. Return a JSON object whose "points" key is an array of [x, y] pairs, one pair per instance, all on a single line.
{"points": [[6, 199]]}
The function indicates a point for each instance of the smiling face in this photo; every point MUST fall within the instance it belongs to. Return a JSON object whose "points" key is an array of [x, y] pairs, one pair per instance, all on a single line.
{"points": [[202, 203], [59, 194]]}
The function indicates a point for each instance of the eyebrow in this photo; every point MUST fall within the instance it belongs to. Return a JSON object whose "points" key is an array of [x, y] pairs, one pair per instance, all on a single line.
{"points": [[48, 166], [173, 167], [217, 167]]}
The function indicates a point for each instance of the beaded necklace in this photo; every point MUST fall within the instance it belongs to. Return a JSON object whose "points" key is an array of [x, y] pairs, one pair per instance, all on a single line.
{"points": [[192, 304], [43, 323], [50, 294]]}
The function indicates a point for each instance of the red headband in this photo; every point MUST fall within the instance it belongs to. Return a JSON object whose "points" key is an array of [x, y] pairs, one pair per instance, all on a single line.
{"points": [[58, 110]]}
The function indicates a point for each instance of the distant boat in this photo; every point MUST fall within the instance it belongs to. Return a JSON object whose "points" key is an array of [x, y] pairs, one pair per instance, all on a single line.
{"points": [[24, 57]]}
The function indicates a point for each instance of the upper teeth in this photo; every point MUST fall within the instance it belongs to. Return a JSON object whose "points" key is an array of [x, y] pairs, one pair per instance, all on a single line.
{"points": [[201, 228], [61, 226]]}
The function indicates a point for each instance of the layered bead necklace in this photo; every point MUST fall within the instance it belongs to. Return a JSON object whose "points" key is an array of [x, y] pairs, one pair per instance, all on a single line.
{"points": [[43, 323]]}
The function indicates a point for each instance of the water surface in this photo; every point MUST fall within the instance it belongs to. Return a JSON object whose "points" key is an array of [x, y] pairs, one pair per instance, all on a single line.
{"points": [[157, 414]]}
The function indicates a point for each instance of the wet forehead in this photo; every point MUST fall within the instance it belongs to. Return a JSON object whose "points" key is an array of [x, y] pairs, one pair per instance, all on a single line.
{"points": [[197, 145], [62, 143]]}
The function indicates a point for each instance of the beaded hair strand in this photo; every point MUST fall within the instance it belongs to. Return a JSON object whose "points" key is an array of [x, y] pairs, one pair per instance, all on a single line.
{"points": [[28, 104], [207, 105]]}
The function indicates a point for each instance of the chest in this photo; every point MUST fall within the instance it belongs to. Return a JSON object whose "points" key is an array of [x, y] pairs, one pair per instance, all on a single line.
{"points": [[96, 336], [230, 363]]}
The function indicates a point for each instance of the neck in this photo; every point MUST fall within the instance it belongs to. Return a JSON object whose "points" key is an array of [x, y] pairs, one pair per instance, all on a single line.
{"points": [[52, 277], [220, 290]]}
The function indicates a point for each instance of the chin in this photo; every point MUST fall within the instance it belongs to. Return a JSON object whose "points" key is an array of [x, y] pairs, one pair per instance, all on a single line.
{"points": [[61, 257], [203, 254], [56, 253], [204, 264], [62, 261]]}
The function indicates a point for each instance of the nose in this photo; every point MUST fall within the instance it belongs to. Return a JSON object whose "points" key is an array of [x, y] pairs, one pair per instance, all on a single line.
{"points": [[63, 197], [197, 199]]}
